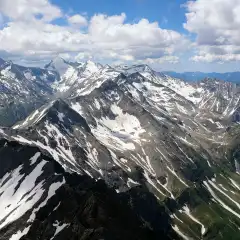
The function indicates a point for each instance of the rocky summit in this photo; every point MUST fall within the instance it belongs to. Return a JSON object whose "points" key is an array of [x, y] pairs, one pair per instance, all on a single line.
{"points": [[92, 151]]}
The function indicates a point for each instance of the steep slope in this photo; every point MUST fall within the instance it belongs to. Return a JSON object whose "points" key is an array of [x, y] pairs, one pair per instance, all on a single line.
{"points": [[21, 91], [198, 198], [68, 72], [141, 131], [161, 101], [205, 109], [58, 65], [91, 80], [111, 136], [39, 200], [221, 100], [35, 74], [64, 134]]}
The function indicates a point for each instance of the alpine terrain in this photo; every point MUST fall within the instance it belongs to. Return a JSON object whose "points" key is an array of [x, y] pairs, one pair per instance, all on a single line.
{"points": [[92, 151]]}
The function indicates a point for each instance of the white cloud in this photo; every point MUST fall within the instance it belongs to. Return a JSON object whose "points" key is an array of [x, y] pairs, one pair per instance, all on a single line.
{"points": [[217, 25], [206, 57], [114, 30], [29, 9], [78, 20], [65, 56], [164, 59], [219, 53], [31, 34]]}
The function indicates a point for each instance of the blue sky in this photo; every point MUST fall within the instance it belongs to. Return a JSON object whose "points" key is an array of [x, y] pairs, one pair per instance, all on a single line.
{"points": [[168, 13], [174, 35]]}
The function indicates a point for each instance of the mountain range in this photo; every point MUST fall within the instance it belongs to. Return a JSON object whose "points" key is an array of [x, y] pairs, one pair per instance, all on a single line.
{"points": [[198, 76], [92, 151]]}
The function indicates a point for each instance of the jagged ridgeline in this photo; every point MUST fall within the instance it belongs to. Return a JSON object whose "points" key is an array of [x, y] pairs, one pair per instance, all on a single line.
{"points": [[91, 151]]}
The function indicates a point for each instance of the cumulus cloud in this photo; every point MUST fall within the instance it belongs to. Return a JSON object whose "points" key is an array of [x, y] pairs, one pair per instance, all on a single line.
{"points": [[169, 59], [29, 10], [217, 26], [31, 34], [78, 20]]}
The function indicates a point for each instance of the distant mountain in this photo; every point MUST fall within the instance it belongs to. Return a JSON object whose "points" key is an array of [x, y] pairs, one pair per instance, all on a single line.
{"points": [[119, 152], [22, 90], [197, 76]]}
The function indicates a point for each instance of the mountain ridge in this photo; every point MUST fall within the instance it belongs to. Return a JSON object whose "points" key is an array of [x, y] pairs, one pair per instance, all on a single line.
{"points": [[142, 132], [94, 210]]}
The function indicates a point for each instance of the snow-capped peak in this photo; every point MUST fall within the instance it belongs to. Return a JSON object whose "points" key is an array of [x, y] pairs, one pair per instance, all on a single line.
{"points": [[91, 67], [59, 65], [1, 62]]}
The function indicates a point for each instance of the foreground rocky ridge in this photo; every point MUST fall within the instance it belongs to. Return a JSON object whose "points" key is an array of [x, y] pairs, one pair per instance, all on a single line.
{"points": [[141, 132], [39, 200]]}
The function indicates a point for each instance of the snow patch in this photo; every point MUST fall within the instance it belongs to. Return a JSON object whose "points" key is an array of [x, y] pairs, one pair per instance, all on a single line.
{"points": [[35, 158]]}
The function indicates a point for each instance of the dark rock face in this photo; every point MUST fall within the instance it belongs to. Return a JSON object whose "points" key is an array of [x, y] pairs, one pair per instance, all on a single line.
{"points": [[84, 208], [154, 214]]}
